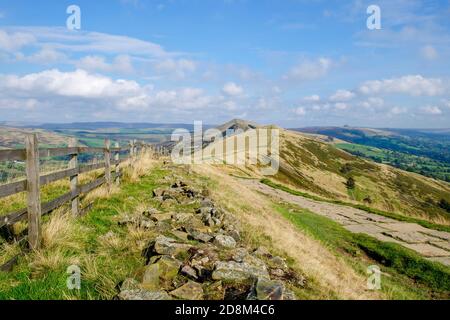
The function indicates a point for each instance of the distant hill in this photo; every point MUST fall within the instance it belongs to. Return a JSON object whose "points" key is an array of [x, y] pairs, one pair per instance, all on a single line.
{"points": [[15, 137]]}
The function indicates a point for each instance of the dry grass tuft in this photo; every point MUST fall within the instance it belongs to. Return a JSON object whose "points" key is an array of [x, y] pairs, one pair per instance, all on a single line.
{"points": [[134, 169], [102, 192], [43, 261], [60, 231]]}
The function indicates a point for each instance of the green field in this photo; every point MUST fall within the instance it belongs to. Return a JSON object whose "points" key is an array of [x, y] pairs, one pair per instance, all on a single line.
{"points": [[418, 164]]}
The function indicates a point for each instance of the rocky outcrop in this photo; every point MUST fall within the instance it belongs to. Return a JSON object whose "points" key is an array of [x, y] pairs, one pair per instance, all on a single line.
{"points": [[199, 255]]}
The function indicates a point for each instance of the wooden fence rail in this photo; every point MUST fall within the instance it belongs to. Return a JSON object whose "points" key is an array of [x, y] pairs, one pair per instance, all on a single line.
{"points": [[32, 183]]}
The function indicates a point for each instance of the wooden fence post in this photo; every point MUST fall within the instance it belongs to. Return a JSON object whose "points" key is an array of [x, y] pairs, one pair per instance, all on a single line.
{"points": [[33, 195], [117, 159], [131, 153], [108, 163], [73, 164]]}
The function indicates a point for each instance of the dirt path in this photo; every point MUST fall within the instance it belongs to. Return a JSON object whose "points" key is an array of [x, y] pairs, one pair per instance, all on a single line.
{"points": [[433, 245]]}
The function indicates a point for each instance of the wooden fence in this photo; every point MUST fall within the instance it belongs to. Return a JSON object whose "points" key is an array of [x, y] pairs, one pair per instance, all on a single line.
{"points": [[34, 180]]}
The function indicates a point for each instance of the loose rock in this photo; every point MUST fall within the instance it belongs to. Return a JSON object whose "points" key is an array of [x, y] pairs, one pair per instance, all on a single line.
{"points": [[190, 291], [224, 241]]}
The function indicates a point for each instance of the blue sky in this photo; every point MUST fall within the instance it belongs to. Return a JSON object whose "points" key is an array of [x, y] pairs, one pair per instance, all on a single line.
{"points": [[289, 62]]}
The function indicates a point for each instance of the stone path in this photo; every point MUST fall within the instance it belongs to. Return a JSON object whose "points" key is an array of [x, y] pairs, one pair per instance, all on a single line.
{"points": [[433, 245]]}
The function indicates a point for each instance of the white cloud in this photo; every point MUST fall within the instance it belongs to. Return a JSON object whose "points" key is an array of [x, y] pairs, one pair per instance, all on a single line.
{"points": [[70, 84], [59, 38], [121, 64], [56, 89], [44, 56], [397, 110], [373, 102], [178, 68], [429, 52], [446, 103], [15, 40], [309, 70], [341, 106], [232, 89], [415, 85], [342, 95], [300, 111], [313, 98], [432, 110]]}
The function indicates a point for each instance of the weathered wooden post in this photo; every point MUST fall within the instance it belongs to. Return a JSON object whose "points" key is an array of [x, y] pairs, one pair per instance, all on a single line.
{"points": [[131, 152], [33, 195], [117, 159], [135, 152], [73, 164], [108, 163]]}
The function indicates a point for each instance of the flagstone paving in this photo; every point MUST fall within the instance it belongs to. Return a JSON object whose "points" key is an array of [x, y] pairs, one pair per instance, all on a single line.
{"points": [[431, 244]]}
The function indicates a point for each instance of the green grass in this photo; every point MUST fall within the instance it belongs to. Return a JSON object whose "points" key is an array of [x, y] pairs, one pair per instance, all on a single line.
{"points": [[112, 265], [409, 162], [410, 276], [392, 215]]}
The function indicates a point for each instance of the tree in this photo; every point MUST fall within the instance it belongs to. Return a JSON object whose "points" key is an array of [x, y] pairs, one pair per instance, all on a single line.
{"points": [[346, 168], [350, 183]]}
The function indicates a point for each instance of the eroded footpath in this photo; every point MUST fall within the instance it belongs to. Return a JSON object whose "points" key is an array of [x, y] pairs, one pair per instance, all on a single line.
{"points": [[431, 244]]}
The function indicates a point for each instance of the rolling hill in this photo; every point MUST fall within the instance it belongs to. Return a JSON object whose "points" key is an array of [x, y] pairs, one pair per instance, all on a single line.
{"points": [[319, 168]]}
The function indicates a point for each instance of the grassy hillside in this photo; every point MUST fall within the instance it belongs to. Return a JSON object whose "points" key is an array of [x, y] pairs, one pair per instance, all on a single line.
{"points": [[322, 169], [417, 150], [15, 137], [419, 164]]}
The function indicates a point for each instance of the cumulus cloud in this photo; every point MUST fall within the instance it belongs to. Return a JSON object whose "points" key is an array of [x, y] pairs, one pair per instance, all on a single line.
{"points": [[342, 95], [432, 110], [309, 70], [68, 88], [415, 85], [71, 84], [232, 89]]}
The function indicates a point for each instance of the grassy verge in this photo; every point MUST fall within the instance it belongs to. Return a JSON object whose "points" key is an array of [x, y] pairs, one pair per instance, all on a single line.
{"points": [[392, 215], [105, 252], [405, 275]]}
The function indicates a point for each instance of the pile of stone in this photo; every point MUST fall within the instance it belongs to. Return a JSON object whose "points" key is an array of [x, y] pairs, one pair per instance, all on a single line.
{"points": [[199, 255]]}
